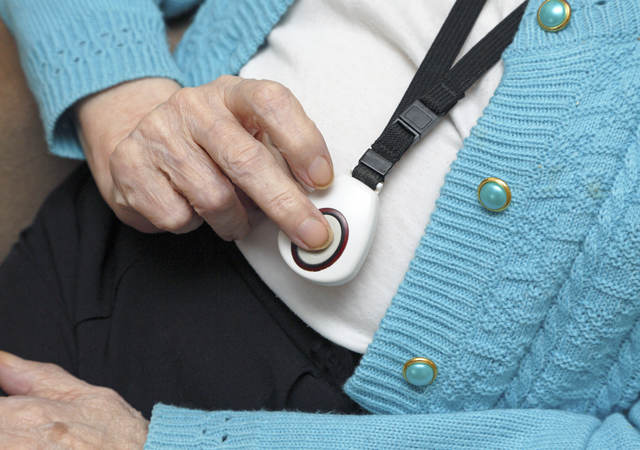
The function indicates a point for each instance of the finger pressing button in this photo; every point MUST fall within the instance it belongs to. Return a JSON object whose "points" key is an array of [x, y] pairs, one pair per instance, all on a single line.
{"points": [[317, 260]]}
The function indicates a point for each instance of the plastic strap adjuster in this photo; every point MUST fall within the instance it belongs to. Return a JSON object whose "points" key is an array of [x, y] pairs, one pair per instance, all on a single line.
{"points": [[417, 119], [376, 162]]}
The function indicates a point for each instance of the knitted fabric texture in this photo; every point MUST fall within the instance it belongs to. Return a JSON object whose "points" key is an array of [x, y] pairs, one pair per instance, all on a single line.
{"points": [[72, 48], [532, 307], [531, 314]]}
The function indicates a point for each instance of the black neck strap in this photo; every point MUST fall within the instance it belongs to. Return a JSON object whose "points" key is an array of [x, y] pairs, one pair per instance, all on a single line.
{"points": [[420, 108]]}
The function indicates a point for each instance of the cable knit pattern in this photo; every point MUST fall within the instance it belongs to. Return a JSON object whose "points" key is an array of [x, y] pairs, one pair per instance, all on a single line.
{"points": [[532, 314], [481, 295], [583, 353]]}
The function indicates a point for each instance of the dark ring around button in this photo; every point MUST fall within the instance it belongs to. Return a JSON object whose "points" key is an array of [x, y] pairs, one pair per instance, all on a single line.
{"points": [[344, 237]]}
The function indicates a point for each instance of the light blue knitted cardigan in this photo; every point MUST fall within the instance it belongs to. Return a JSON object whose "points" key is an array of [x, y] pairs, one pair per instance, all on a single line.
{"points": [[532, 314]]}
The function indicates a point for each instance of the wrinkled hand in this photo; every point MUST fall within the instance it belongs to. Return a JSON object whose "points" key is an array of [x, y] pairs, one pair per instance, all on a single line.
{"points": [[48, 408], [165, 158]]}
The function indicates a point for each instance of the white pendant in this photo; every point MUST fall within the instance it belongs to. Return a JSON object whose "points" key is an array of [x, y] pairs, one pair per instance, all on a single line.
{"points": [[351, 209]]}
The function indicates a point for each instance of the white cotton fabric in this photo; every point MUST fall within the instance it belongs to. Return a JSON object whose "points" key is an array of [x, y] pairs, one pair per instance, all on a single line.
{"points": [[349, 63]]}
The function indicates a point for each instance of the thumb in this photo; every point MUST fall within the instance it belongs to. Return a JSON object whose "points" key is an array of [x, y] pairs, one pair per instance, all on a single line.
{"points": [[23, 377]]}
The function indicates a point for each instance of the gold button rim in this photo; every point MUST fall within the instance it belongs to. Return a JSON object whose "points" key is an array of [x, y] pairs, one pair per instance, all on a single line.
{"points": [[420, 359], [561, 25], [504, 185]]}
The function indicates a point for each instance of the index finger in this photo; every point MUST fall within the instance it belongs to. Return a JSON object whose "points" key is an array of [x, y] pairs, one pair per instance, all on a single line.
{"points": [[273, 108], [252, 168]]}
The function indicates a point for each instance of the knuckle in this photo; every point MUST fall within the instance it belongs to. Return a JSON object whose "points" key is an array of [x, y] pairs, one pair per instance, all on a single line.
{"points": [[174, 159], [271, 96], [119, 200], [130, 199], [219, 84], [226, 78], [282, 203], [301, 143], [175, 221], [226, 235], [127, 166], [219, 200], [219, 127], [122, 159], [72, 393], [52, 369], [117, 156], [246, 161], [185, 96], [214, 90], [101, 398], [106, 393], [154, 127]]}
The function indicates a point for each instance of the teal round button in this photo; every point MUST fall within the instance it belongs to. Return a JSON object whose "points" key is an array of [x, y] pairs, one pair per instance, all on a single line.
{"points": [[419, 371], [494, 194], [553, 15]]}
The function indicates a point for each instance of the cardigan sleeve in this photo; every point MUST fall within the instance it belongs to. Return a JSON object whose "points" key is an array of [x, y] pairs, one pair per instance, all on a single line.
{"points": [[173, 427], [72, 48]]}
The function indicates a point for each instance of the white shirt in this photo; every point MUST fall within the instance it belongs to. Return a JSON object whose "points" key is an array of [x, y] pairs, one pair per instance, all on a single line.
{"points": [[349, 62]]}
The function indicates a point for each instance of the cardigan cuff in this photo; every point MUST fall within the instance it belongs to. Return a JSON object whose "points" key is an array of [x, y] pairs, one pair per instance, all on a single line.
{"points": [[204, 56], [92, 48], [173, 427]]}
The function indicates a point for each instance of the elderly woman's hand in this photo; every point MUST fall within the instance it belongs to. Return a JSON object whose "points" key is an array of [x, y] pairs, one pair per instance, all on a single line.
{"points": [[165, 158], [48, 408]]}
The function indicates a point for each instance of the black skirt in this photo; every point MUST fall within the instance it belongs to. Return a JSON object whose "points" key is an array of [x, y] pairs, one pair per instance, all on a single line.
{"points": [[179, 319]]}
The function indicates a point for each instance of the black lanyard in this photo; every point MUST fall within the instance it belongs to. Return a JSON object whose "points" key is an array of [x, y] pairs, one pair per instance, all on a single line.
{"points": [[436, 87]]}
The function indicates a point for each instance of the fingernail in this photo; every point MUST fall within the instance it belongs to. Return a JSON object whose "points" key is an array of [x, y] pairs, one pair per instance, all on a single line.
{"points": [[315, 234], [320, 172]]}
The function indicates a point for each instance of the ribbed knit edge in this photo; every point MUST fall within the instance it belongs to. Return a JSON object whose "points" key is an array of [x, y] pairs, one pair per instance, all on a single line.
{"points": [[479, 285], [598, 307], [178, 428], [590, 19], [72, 57], [224, 35]]}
